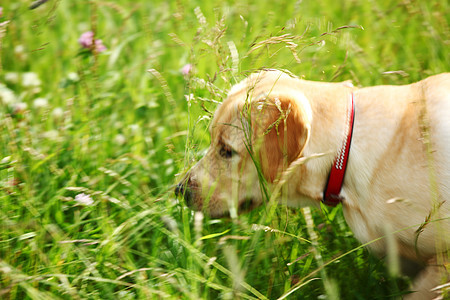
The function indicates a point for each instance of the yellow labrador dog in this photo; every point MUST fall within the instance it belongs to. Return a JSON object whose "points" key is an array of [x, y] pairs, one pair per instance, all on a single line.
{"points": [[392, 143]]}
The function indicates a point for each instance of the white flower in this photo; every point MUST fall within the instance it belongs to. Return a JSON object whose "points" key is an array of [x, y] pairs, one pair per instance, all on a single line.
{"points": [[58, 113], [30, 79], [19, 49], [12, 77], [134, 128], [72, 76], [189, 97], [7, 96], [19, 107], [120, 139], [84, 199], [40, 103]]}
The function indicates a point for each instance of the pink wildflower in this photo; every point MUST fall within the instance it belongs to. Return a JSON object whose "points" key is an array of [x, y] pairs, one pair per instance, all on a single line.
{"points": [[86, 40], [1, 11], [99, 46], [186, 69]]}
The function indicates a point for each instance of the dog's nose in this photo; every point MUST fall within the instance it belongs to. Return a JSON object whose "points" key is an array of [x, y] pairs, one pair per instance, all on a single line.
{"points": [[183, 189], [179, 190]]}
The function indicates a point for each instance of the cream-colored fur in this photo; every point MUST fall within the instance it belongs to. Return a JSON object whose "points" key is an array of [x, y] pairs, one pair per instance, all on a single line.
{"points": [[398, 173]]}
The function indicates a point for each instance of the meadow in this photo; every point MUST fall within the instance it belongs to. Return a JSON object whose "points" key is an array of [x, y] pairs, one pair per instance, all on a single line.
{"points": [[96, 130]]}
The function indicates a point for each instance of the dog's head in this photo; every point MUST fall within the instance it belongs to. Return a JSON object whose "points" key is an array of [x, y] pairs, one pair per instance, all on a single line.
{"points": [[256, 133]]}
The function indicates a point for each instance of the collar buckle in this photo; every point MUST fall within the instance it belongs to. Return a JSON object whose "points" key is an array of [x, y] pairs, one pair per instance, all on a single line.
{"points": [[332, 199]]}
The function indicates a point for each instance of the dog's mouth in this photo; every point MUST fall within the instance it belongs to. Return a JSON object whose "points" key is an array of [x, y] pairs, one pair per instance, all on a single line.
{"points": [[247, 205], [244, 207], [188, 191]]}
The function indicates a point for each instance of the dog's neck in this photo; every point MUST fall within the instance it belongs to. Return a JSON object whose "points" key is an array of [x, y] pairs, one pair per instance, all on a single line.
{"points": [[329, 104], [332, 191]]}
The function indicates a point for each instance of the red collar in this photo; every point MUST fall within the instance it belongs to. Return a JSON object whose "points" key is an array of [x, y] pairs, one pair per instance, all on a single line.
{"points": [[331, 194]]}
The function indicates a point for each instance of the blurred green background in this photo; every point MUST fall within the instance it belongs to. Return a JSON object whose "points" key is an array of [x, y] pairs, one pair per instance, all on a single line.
{"points": [[92, 141]]}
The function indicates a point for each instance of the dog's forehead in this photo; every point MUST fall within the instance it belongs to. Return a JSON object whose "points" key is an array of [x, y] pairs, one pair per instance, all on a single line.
{"points": [[256, 86], [225, 125], [228, 124], [244, 91]]}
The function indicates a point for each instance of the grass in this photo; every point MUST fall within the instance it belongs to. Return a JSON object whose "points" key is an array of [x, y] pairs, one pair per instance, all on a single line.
{"points": [[118, 126]]}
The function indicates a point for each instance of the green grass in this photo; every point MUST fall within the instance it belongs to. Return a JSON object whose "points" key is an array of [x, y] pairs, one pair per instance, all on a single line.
{"points": [[119, 133]]}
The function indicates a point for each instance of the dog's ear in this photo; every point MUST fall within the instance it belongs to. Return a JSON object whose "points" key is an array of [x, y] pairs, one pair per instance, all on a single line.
{"points": [[281, 132]]}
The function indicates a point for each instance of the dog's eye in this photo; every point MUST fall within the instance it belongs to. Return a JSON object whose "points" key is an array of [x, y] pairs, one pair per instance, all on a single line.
{"points": [[226, 151]]}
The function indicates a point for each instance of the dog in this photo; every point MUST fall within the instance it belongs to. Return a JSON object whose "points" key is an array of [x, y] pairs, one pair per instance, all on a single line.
{"points": [[389, 145]]}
